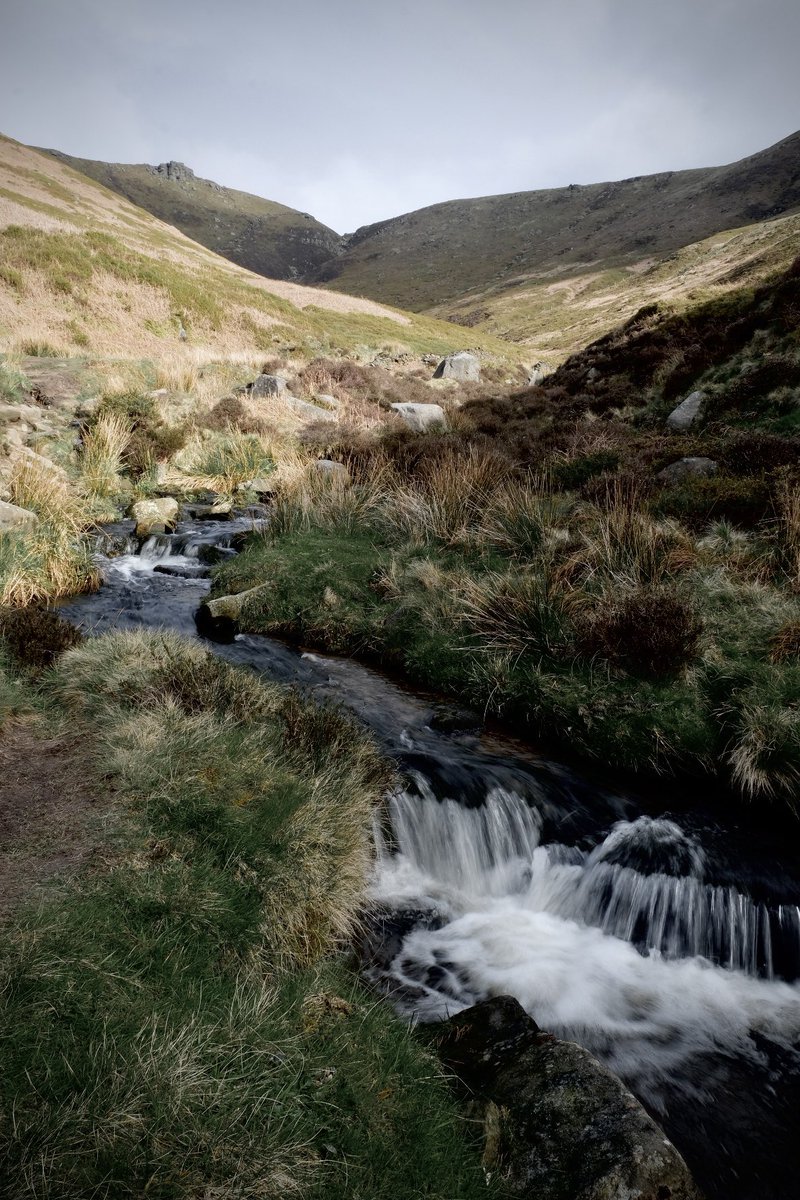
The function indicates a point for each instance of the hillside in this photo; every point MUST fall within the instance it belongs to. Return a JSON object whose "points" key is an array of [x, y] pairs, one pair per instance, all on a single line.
{"points": [[440, 253], [83, 270], [258, 234]]}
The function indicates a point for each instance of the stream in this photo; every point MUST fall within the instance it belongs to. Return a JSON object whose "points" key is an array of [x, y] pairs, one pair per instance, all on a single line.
{"points": [[659, 930]]}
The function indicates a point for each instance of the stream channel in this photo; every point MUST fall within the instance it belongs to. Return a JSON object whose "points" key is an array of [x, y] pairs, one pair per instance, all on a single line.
{"points": [[660, 930]]}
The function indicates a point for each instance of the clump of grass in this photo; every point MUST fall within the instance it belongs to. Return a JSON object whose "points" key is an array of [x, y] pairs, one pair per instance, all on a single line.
{"points": [[785, 644], [232, 460], [178, 1022], [651, 632], [516, 612], [101, 457]]}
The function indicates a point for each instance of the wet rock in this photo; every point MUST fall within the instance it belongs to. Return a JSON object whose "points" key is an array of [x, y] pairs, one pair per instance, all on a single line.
{"points": [[687, 412], [218, 510], [448, 719], [155, 516], [559, 1125], [218, 620], [688, 468], [422, 417], [183, 570], [461, 366], [14, 519]]}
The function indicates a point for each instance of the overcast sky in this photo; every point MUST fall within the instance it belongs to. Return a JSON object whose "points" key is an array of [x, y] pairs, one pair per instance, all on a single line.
{"points": [[357, 110]]}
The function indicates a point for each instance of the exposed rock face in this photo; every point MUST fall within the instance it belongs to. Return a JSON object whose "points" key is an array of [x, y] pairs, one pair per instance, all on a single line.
{"points": [[687, 468], [154, 516], [559, 1125], [687, 412], [461, 366], [16, 520], [422, 417]]}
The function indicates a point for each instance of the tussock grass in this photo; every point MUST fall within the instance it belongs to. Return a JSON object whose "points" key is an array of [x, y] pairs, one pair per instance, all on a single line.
{"points": [[177, 1022], [101, 458]]}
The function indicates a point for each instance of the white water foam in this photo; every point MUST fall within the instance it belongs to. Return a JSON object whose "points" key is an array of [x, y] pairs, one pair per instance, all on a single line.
{"points": [[523, 919]]}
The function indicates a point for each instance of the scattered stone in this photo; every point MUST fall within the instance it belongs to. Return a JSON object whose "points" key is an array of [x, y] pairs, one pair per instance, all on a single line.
{"points": [[261, 485], [461, 366], [14, 519], [334, 471], [421, 417], [687, 412], [557, 1123], [688, 468], [265, 385], [592, 375], [155, 516], [326, 400], [304, 408], [330, 598]]}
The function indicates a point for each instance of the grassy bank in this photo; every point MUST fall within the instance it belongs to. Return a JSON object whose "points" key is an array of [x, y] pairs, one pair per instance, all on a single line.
{"points": [[178, 1020], [620, 635]]}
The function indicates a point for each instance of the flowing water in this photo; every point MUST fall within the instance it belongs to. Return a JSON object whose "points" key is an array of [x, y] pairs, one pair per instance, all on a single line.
{"points": [[652, 929]]}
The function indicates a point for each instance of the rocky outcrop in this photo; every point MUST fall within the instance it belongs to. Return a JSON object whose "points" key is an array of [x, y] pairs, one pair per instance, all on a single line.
{"points": [[16, 520], [422, 417], [461, 366], [155, 516], [687, 468], [558, 1125], [687, 412]]}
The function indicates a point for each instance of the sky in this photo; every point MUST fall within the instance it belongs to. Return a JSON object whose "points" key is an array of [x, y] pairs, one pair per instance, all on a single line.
{"points": [[358, 110]]}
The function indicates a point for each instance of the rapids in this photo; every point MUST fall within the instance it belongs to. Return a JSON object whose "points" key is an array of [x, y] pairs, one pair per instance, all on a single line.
{"points": [[654, 929]]}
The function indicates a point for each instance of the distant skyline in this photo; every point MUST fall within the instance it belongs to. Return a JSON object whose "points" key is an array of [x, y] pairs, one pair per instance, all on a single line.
{"points": [[356, 111]]}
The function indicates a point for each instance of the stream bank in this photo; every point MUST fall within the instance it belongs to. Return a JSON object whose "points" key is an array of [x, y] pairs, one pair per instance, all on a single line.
{"points": [[664, 940]]}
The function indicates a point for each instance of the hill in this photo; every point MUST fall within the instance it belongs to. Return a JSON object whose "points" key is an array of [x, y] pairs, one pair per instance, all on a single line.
{"points": [[440, 253], [83, 270], [258, 234]]}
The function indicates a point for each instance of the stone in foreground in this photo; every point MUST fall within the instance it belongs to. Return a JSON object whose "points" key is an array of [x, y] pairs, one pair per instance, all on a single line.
{"points": [[559, 1125], [422, 417], [688, 468], [155, 516], [16, 520], [462, 366], [687, 412]]}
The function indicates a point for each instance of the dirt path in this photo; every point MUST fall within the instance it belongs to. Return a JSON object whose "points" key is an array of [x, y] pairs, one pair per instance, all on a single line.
{"points": [[48, 800]]}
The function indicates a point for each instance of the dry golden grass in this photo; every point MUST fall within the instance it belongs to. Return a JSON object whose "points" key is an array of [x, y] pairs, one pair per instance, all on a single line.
{"points": [[101, 459]]}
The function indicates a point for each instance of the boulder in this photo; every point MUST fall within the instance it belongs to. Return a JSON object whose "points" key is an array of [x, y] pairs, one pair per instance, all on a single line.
{"points": [[687, 468], [261, 485], [217, 510], [218, 620], [421, 417], [265, 385], [154, 516], [537, 373], [16, 520], [334, 471], [558, 1124], [461, 366], [687, 412]]}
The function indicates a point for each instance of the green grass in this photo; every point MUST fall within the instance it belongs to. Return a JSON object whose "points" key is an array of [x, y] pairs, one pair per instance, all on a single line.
{"points": [[180, 1020], [518, 617]]}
